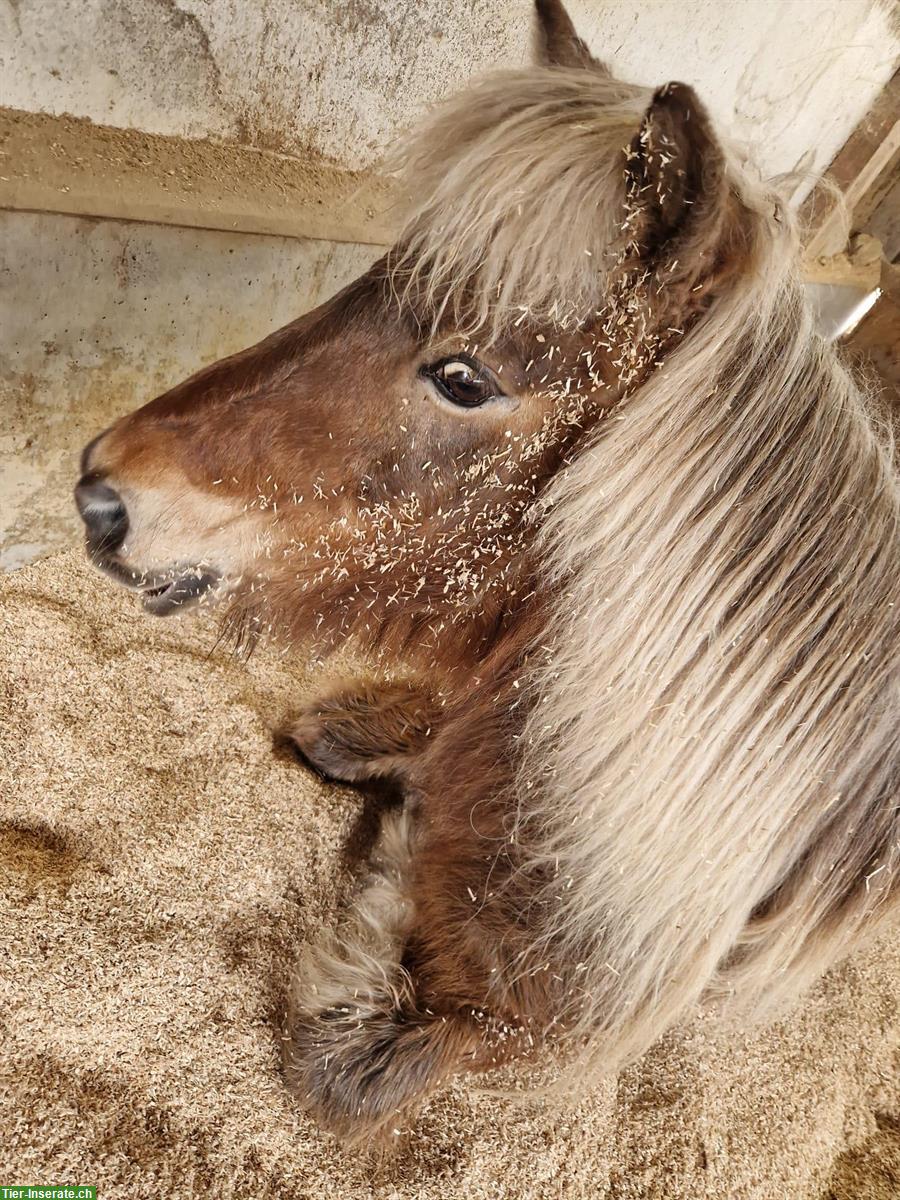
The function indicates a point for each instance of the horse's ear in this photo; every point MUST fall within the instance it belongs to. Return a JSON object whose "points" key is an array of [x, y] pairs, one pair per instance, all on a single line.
{"points": [[558, 45], [677, 184]]}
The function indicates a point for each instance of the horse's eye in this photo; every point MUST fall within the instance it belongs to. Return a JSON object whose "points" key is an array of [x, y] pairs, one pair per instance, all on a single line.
{"points": [[463, 381]]}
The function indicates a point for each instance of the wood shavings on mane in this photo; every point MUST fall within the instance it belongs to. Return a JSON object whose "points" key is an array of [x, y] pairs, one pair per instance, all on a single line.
{"points": [[516, 218]]}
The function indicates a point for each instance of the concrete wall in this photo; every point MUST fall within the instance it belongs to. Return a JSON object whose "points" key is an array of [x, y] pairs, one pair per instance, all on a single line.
{"points": [[342, 77], [97, 317]]}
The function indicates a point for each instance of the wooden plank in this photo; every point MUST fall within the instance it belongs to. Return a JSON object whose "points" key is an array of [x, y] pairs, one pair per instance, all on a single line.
{"points": [[858, 267], [863, 170], [829, 236], [65, 164]]}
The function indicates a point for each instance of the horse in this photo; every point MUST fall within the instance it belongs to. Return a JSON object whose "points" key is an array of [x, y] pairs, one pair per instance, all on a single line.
{"points": [[617, 533]]}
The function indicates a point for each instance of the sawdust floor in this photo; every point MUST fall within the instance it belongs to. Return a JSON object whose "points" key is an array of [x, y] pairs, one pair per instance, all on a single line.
{"points": [[161, 866]]}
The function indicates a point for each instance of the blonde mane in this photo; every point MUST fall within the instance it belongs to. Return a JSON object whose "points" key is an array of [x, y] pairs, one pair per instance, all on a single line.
{"points": [[710, 772], [523, 199]]}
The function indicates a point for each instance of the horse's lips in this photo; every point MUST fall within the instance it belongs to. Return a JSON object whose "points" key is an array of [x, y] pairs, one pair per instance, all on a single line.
{"points": [[178, 593]]}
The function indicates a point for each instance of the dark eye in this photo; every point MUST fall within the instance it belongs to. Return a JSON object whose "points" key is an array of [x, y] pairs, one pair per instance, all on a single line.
{"points": [[463, 381]]}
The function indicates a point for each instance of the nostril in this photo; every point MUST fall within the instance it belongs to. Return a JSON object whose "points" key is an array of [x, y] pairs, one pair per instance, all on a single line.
{"points": [[103, 513]]}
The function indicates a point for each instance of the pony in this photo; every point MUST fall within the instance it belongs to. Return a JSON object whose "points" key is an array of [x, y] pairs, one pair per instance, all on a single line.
{"points": [[618, 534]]}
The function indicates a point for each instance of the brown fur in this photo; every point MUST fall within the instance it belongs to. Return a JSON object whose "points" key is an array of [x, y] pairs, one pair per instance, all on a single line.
{"points": [[364, 731]]}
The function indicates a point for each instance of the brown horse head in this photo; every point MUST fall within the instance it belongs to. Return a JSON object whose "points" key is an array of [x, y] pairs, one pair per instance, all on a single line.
{"points": [[353, 453], [376, 465]]}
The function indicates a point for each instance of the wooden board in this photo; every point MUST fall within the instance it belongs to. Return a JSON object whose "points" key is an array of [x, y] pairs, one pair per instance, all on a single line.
{"points": [[65, 164]]}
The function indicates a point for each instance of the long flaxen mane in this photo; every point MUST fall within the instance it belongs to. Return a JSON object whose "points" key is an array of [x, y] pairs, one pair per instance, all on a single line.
{"points": [[709, 781]]}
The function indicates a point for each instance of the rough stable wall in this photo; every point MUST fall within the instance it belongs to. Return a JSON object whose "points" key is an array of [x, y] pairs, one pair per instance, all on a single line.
{"points": [[340, 78], [97, 316]]}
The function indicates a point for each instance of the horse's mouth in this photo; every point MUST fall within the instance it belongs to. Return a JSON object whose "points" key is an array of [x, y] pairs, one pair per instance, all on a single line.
{"points": [[178, 593], [162, 593]]}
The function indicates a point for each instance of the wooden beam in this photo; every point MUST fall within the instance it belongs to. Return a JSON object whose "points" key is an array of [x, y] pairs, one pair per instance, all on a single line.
{"points": [[858, 267], [863, 169], [831, 233], [65, 164]]}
